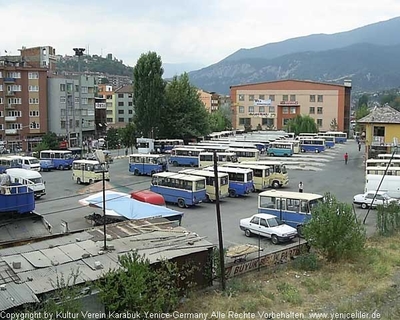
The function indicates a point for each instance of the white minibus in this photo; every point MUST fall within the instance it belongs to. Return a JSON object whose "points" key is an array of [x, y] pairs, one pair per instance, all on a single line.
{"points": [[30, 178]]}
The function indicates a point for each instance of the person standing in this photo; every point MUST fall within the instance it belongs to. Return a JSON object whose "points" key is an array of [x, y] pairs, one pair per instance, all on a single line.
{"points": [[346, 158], [301, 187]]}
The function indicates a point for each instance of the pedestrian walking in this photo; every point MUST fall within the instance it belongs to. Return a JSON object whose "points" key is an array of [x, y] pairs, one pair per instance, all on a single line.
{"points": [[346, 158], [301, 187], [359, 146]]}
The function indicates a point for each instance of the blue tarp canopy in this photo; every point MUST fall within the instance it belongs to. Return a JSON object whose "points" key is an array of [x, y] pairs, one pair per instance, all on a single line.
{"points": [[121, 204]]}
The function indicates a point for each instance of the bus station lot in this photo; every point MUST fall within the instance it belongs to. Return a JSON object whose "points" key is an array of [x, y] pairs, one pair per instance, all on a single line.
{"points": [[344, 181]]}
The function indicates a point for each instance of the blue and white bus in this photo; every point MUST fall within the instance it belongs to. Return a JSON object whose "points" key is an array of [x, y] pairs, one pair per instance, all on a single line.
{"points": [[293, 208], [340, 137], [329, 140], [312, 145], [246, 154], [166, 145], [209, 147], [182, 189], [206, 159], [145, 145], [240, 180], [62, 159], [280, 148], [184, 156], [8, 163], [147, 164]]}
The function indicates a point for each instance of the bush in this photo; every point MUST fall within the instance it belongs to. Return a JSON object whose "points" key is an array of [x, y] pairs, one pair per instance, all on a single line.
{"points": [[388, 219], [306, 262], [334, 231]]}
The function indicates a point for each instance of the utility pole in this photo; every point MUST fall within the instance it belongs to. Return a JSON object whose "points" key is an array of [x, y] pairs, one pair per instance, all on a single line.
{"points": [[219, 224], [67, 104], [79, 52]]}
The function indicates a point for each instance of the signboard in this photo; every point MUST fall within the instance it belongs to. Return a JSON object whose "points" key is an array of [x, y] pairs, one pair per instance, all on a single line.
{"points": [[268, 260], [259, 102], [289, 103], [262, 114]]}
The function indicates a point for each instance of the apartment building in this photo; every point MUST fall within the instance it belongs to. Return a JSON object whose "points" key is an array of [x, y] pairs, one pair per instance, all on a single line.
{"points": [[23, 103], [123, 105], [209, 99], [273, 104], [65, 117], [100, 116], [106, 91]]}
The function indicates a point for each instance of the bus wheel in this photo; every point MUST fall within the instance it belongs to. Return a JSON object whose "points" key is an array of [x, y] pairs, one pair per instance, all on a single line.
{"points": [[136, 172], [316, 151], [60, 167], [78, 181], [90, 181], [247, 233], [271, 155], [175, 163], [181, 203], [152, 172], [274, 239], [232, 193], [275, 184]]}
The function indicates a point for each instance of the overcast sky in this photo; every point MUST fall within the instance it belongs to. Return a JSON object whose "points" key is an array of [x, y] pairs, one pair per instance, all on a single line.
{"points": [[181, 31]]}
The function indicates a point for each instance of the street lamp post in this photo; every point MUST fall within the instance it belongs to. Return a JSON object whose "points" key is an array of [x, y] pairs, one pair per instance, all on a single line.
{"points": [[102, 160], [79, 52]]}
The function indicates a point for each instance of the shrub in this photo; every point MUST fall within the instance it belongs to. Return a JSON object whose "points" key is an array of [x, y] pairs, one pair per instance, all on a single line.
{"points": [[388, 219], [306, 262]]}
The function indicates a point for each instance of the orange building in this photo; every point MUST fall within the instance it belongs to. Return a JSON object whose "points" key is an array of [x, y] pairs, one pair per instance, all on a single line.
{"points": [[273, 104], [209, 99]]}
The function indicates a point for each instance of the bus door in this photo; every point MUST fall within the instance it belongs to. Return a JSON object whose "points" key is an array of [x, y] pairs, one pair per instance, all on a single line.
{"points": [[292, 212]]}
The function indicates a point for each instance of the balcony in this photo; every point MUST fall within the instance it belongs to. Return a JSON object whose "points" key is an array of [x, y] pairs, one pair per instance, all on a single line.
{"points": [[11, 131], [10, 118], [10, 93], [9, 80]]}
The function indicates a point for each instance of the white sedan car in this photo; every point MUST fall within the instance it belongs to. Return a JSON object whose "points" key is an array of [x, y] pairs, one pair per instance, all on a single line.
{"points": [[267, 225], [365, 200]]}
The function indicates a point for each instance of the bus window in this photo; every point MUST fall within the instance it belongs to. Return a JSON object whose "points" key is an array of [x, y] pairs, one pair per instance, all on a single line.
{"points": [[293, 205], [281, 204], [304, 206], [267, 202]]}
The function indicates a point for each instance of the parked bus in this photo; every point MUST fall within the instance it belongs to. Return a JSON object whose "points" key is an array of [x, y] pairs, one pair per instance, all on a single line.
{"points": [[280, 149], [329, 140], [182, 189], [240, 180], [306, 134], [184, 156], [223, 182], [388, 156], [209, 147], [166, 145], [145, 145], [245, 154], [295, 145], [62, 159], [29, 163], [382, 162], [261, 174], [278, 172], [147, 164], [340, 137], [312, 145], [30, 178], [206, 159], [378, 170], [88, 171], [293, 208]]}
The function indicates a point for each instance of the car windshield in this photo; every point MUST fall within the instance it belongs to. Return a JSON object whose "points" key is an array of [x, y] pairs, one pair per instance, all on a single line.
{"points": [[34, 161], [274, 222]]}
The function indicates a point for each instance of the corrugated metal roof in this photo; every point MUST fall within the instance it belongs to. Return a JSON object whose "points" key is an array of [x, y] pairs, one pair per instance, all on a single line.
{"points": [[92, 247], [73, 251], [25, 264], [40, 280], [16, 295], [37, 259], [108, 262], [56, 255]]}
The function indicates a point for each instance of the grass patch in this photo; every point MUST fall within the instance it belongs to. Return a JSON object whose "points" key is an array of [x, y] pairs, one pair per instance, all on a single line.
{"points": [[289, 293]]}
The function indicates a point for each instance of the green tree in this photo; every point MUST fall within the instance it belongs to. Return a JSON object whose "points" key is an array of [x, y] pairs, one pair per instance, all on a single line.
{"points": [[113, 138], [184, 115], [220, 120], [334, 231], [361, 112], [128, 135], [148, 94], [302, 124], [50, 139], [363, 100]]}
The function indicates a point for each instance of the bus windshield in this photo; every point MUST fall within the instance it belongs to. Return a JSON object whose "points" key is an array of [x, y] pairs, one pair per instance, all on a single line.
{"points": [[200, 185]]}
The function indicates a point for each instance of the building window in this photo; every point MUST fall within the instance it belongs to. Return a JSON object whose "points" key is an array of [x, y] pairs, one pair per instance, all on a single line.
{"points": [[33, 75], [33, 100], [76, 88], [292, 97], [120, 111], [34, 125], [62, 123], [285, 110], [267, 122], [1, 127], [272, 109], [15, 87], [379, 131], [76, 100], [34, 113], [1, 100], [251, 109], [251, 97], [120, 103], [319, 122], [16, 75], [241, 109], [14, 113], [62, 99], [85, 100], [109, 120], [1, 74], [244, 121], [130, 111], [108, 97], [120, 95], [285, 97], [33, 88], [312, 110], [262, 109], [312, 98], [130, 103], [292, 110], [272, 97], [62, 87], [1, 114], [241, 97], [319, 110], [84, 89], [14, 100], [121, 120], [62, 112], [261, 97], [1, 87], [320, 98], [109, 112]]}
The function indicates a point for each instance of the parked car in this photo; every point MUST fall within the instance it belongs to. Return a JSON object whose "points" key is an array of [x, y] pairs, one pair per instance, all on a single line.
{"points": [[267, 225], [365, 200]]}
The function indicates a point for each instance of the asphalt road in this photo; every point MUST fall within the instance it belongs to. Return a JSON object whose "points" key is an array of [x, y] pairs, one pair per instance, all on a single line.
{"points": [[344, 181]]}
